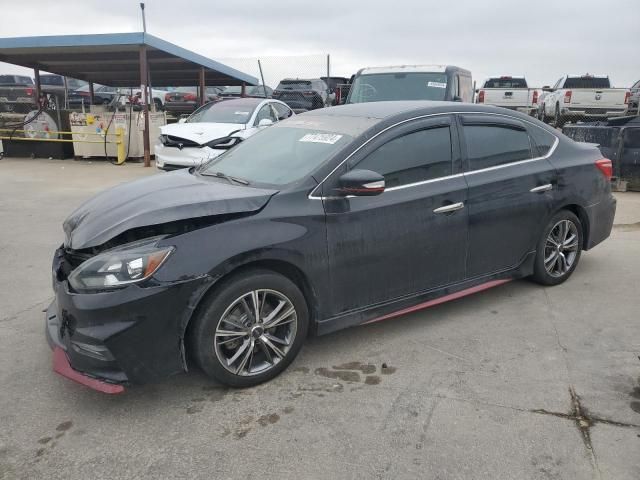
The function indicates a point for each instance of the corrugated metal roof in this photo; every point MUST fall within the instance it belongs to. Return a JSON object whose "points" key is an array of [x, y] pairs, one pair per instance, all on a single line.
{"points": [[113, 59]]}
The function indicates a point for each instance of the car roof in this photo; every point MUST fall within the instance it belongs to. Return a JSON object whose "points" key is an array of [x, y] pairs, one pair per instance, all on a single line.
{"points": [[355, 118]]}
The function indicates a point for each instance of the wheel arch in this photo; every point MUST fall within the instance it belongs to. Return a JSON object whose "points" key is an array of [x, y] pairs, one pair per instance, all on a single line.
{"points": [[581, 213], [282, 267]]}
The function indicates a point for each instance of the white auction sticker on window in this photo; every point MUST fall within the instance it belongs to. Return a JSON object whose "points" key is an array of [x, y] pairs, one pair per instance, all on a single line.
{"points": [[329, 138], [437, 84], [241, 113]]}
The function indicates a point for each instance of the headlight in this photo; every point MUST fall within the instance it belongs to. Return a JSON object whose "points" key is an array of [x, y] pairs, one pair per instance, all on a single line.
{"points": [[117, 268]]}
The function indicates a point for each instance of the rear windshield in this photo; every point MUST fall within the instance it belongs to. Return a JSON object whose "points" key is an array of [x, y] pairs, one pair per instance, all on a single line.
{"points": [[294, 84], [380, 87], [505, 83], [15, 80], [587, 82], [51, 80]]}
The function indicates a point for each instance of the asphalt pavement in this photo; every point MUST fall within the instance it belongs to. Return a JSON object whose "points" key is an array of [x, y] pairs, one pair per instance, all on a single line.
{"points": [[517, 382]]}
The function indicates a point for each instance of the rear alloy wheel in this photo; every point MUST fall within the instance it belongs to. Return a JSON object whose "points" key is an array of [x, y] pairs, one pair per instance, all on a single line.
{"points": [[558, 251], [251, 329]]}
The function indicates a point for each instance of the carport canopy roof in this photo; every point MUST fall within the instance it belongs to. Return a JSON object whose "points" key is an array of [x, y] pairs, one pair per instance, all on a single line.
{"points": [[114, 59]]}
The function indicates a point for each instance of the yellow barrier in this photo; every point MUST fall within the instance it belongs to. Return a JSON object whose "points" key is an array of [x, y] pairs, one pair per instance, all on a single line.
{"points": [[121, 152]]}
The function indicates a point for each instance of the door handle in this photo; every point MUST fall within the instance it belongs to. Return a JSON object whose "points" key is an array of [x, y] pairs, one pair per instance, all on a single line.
{"points": [[542, 188], [449, 208]]}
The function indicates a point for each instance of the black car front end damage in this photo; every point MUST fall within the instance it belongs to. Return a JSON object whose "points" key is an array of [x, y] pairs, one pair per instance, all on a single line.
{"points": [[122, 301], [130, 335]]}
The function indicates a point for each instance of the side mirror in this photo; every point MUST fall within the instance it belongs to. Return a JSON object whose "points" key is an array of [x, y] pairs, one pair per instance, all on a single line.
{"points": [[361, 183], [265, 122], [547, 88], [182, 120], [457, 99]]}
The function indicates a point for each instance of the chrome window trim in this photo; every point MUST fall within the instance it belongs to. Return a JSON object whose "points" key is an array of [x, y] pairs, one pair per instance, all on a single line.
{"points": [[420, 117]]}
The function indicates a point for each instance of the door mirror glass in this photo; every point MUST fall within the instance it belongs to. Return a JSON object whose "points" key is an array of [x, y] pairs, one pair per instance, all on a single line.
{"points": [[547, 88], [457, 99], [265, 122], [361, 183]]}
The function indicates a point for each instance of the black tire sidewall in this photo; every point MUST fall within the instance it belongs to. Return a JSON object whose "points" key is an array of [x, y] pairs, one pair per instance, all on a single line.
{"points": [[540, 274], [202, 334]]}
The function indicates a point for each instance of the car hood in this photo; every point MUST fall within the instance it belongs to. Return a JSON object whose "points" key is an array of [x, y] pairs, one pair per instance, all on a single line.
{"points": [[201, 132], [155, 200]]}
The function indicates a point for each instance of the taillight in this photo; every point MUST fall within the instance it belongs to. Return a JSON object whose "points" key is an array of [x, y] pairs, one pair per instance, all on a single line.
{"points": [[535, 97], [605, 166], [567, 96], [29, 91], [481, 96], [308, 93], [189, 97], [627, 96], [167, 97]]}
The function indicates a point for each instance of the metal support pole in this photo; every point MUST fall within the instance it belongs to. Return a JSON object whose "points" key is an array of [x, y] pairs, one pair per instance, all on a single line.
{"points": [[243, 90], [264, 87], [145, 104], [36, 76], [202, 87], [328, 67], [91, 94]]}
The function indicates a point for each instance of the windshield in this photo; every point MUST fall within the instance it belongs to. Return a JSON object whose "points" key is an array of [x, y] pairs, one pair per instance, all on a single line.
{"points": [[278, 155], [587, 82], [380, 87], [221, 112], [505, 83]]}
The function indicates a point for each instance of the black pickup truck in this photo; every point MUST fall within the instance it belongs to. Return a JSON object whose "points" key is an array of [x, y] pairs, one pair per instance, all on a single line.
{"points": [[17, 94]]}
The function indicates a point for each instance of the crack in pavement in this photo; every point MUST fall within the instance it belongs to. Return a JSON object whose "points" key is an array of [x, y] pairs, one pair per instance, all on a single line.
{"points": [[24, 310]]}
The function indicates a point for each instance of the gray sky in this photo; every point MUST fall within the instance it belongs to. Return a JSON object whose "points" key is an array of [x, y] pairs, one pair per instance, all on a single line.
{"points": [[542, 40]]}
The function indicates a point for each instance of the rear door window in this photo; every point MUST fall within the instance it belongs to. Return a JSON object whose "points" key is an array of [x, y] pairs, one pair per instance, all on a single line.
{"points": [[412, 158], [542, 141], [491, 145], [282, 110]]}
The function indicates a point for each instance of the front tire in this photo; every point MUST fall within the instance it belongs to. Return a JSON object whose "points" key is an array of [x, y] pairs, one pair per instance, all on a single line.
{"points": [[558, 250], [250, 329]]}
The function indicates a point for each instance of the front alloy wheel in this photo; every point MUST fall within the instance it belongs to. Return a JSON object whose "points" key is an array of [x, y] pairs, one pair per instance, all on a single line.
{"points": [[255, 332], [249, 328]]}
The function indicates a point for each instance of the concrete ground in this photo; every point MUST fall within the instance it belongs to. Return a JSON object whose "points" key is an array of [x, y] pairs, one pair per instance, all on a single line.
{"points": [[518, 382]]}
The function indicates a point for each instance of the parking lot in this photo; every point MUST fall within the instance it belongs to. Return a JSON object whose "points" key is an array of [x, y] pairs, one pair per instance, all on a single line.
{"points": [[516, 382]]}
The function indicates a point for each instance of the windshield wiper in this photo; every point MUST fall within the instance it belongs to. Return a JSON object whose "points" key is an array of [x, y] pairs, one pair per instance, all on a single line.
{"points": [[231, 179]]}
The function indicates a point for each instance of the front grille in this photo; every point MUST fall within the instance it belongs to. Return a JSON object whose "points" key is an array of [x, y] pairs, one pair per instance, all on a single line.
{"points": [[171, 141]]}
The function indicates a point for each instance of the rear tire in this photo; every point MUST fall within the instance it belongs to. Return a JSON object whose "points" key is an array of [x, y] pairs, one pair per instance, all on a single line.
{"points": [[558, 250], [231, 346]]}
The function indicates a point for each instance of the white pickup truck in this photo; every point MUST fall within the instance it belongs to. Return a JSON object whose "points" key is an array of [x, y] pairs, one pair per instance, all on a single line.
{"points": [[583, 97], [509, 92]]}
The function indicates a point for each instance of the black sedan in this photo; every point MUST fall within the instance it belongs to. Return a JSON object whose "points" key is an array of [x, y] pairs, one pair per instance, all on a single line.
{"points": [[327, 220]]}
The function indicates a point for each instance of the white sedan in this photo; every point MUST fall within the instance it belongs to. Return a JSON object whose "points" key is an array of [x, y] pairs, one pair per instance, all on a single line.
{"points": [[213, 129]]}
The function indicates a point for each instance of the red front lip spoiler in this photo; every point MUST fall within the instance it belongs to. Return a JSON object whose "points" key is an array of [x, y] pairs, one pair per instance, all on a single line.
{"points": [[62, 367]]}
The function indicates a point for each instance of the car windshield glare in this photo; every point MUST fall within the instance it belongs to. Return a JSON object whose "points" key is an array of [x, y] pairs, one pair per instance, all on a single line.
{"points": [[381, 87], [222, 112], [278, 155]]}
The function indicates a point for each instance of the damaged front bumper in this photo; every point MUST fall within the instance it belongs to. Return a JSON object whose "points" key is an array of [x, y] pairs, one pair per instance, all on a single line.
{"points": [[132, 335]]}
